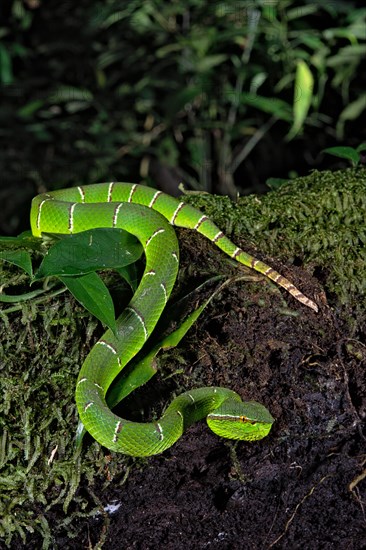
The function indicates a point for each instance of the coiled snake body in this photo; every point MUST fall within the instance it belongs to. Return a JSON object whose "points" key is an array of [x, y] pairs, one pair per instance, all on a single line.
{"points": [[149, 215]]}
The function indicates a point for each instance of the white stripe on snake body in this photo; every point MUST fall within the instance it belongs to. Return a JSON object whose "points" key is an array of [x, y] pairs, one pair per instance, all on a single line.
{"points": [[146, 214]]}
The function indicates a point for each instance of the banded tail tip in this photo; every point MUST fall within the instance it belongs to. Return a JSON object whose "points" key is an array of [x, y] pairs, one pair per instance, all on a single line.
{"points": [[307, 302]]}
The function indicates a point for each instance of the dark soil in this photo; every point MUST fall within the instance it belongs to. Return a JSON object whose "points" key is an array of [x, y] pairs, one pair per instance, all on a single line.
{"points": [[302, 486]]}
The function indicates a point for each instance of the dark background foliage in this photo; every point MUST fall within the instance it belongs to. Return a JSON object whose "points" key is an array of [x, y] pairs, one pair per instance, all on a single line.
{"points": [[162, 92]]}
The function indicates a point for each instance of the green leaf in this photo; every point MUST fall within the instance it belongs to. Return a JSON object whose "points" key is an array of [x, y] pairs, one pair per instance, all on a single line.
{"points": [[21, 258], [361, 148], [304, 84], [183, 97], [29, 108], [304, 11], [15, 250], [6, 68], [351, 112], [209, 62], [93, 294], [64, 94], [168, 49], [113, 19], [348, 153], [24, 240], [130, 274], [347, 55], [76, 106], [89, 251], [272, 105]]}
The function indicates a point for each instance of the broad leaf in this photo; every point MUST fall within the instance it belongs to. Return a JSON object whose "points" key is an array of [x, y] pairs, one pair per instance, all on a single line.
{"points": [[93, 294], [89, 251], [21, 258], [348, 153]]}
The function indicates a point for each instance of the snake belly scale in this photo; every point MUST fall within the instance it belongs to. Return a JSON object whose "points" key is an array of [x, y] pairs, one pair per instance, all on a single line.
{"points": [[149, 215]]}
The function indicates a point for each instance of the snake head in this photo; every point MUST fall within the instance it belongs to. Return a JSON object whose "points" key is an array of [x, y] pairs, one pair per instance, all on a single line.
{"points": [[247, 421]]}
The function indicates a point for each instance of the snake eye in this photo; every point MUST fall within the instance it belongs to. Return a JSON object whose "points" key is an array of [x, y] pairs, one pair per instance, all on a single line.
{"points": [[247, 420]]}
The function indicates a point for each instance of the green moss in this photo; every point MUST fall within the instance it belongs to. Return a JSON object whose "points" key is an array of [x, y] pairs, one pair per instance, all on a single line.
{"points": [[40, 469], [318, 220]]}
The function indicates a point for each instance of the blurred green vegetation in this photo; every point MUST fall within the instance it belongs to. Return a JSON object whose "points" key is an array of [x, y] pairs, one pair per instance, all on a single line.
{"points": [[205, 92]]}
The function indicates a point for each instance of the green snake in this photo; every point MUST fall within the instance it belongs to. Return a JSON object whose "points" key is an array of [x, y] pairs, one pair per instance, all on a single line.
{"points": [[149, 215]]}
